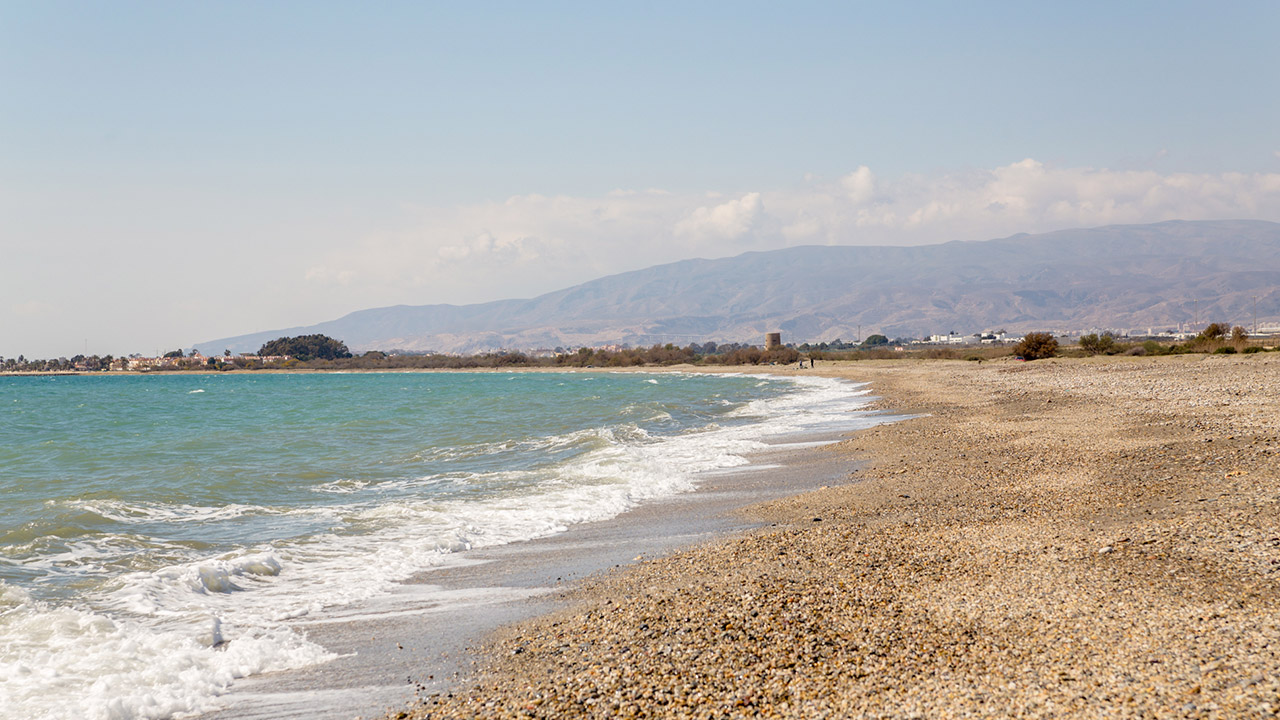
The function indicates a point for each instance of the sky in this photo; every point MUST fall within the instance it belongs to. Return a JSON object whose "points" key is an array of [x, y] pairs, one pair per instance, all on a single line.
{"points": [[173, 172]]}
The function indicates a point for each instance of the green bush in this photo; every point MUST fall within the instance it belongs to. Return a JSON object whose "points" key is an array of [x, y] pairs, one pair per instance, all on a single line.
{"points": [[1214, 331], [1225, 350], [1252, 349], [783, 356], [874, 340], [1036, 346], [1096, 344], [306, 347]]}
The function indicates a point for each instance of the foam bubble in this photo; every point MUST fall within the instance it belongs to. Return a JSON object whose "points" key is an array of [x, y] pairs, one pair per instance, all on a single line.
{"points": [[162, 641], [147, 512], [342, 486], [62, 663]]}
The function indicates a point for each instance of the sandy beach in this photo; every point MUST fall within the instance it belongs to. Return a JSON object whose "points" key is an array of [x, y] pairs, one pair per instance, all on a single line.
{"points": [[1064, 538]]}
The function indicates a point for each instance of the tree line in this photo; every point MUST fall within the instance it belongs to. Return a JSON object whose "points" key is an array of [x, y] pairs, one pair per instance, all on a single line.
{"points": [[320, 352], [78, 363]]}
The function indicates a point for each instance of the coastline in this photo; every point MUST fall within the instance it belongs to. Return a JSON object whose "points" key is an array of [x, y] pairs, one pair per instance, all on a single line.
{"points": [[419, 639], [1065, 538]]}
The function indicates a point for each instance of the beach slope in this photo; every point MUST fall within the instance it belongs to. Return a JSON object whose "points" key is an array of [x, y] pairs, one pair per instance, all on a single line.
{"points": [[1065, 538]]}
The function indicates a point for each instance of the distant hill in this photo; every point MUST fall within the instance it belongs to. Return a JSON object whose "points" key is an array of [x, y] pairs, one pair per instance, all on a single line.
{"points": [[1122, 276]]}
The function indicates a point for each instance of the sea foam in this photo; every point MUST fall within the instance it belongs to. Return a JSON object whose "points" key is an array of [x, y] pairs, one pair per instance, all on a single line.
{"points": [[158, 641]]}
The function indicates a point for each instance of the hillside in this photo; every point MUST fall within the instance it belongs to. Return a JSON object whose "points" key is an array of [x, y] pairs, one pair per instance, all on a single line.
{"points": [[1124, 276]]}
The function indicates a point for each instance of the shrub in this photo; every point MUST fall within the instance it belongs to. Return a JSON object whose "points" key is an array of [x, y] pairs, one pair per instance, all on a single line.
{"points": [[1225, 350], [877, 353], [786, 356], [509, 359], [306, 347], [1214, 331], [1095, 344], [1210, 339], [743, 356], [1036, 346], [1239, 337], [1251, 350]]}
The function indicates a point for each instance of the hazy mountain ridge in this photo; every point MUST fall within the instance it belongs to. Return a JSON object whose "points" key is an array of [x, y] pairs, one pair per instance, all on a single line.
{"points": [[1117, 276]]}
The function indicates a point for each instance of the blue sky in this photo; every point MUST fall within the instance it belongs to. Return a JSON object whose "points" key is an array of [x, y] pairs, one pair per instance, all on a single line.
{"points": [[172, 172]]}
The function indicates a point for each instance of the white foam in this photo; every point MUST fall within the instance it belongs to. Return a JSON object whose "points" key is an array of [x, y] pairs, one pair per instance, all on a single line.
{"points": [[342, 486], [61, 663], [551, 443], [163, 642], [146, 512], [626, 467]]}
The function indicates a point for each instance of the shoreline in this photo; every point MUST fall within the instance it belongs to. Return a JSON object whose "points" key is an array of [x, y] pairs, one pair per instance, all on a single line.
{"points": [[1065, 538], [419, 640], [735, 369]]}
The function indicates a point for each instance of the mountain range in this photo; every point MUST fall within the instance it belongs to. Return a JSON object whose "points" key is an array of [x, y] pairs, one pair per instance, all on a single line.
{"points": [[1157, 276]]}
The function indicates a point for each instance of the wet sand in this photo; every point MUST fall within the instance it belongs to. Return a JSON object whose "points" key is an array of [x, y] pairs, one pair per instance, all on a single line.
{"points": [[399, 649], [1065, 538]]}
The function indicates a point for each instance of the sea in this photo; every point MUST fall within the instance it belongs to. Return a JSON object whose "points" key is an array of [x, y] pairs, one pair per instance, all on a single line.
{"points": [[164, 535]]}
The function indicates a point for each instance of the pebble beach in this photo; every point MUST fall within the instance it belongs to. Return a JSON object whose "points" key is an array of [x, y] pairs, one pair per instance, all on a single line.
{"points": [[1068, 538]]}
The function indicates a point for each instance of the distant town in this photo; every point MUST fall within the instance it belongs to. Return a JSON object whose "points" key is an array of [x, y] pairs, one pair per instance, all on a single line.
{"points": [[320, 352]]}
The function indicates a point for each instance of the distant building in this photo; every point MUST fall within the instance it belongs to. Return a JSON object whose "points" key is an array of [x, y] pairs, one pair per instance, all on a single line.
{"points": [[772, 341]]}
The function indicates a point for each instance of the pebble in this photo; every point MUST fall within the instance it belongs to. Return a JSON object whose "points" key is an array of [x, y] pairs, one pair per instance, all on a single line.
{"points": [[985, 595]]}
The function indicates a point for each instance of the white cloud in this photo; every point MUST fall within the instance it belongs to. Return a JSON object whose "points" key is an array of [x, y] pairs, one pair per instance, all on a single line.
{"points": [[1026, 196], [529, 244], [859, 184], [726, 221], [519, 246], [488, 248]]}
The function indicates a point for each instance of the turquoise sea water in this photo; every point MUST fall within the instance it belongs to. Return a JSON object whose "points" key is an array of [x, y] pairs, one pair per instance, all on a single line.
{"points": [[159, 533]]}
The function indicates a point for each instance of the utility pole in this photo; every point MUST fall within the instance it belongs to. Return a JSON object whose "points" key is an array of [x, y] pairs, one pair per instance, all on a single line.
{"points": [[1255, 315]]}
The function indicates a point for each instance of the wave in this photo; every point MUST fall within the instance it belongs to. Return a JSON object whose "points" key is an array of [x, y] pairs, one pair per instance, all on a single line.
{"points": [[154, 642], [65, 662], [124, 512]]}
